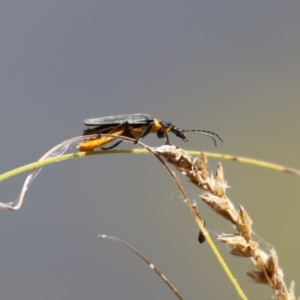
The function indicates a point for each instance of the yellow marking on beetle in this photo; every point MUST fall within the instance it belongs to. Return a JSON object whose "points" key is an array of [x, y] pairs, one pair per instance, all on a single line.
{"points": [[157, 126], [135, 132], [91, 144]]}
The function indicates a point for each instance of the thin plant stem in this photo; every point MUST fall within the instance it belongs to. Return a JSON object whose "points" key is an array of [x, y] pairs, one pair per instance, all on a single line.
{"points": [[48, 159]]}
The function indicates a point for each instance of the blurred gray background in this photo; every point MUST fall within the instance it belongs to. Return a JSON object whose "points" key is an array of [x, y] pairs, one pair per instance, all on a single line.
{"points": [[224, 66]]}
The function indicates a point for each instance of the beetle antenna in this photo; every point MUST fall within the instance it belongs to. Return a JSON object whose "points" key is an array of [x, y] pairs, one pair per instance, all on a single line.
{"points": [[205, 132]]}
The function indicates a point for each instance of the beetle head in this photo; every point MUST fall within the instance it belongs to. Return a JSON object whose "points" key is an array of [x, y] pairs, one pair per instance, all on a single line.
{"points": [[178, 132], [167, 127]]}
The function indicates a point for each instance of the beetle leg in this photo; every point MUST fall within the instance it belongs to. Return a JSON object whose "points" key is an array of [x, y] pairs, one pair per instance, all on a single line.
{"points": [[144, 132], [167, 139], [125, 124], [113, 146], [162, 134], [112, 131]]}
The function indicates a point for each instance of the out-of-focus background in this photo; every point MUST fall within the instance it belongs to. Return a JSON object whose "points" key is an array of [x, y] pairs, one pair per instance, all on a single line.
{"points": [[224, 66]]}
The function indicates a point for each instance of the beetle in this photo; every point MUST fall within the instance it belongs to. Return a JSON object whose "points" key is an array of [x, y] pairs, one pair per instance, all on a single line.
{"points": [[135, 126]]}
